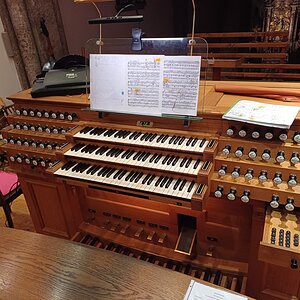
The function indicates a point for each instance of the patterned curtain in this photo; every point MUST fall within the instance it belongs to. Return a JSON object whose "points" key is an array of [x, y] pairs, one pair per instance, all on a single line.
{"points": [[21, 20]]}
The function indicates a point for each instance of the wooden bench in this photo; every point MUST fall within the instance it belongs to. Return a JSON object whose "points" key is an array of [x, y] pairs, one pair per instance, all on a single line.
{"points": [[264, 55]]}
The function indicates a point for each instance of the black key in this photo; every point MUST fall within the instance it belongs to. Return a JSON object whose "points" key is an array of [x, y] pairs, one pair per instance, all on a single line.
{"points": [[165, 138], [125, 153], [158, 181], [134, 176], [194, 142], [218, 277], [188, 162], [164, 181], [118, 249], [85, 129], [177, 184], [160, 138], [110, 151], [177, 140], [202, 143], [118, 173], [118, 133], [91, 169], [146, 156], [172, 139], [175, 161], [84, 167], [169, 182], [68, 165], [153, 137], [102, 170], [95, 170], [148, 137], [106, 172], [196, 164], [181, 141], [137, 135], [122, 175], [187, 269], [146, 178], [143, 137], [153, 157], [141, 156], [165, 159], [129, 175], [136, 155], [183, 162], [110, 172], [189, 141], [119, 152], [182, 185], [157, 159], [170, 264], [191, 186], [130, 154], [172, 157], [137, 179], [151, 179], [132, 135]]}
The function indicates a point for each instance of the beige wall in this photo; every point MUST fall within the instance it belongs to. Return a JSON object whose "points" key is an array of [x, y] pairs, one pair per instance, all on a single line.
{"points": [[158, 21], [9, 81]]}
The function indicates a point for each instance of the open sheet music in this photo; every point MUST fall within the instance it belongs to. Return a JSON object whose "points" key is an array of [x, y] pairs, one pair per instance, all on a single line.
{"points": [[145, 84]]}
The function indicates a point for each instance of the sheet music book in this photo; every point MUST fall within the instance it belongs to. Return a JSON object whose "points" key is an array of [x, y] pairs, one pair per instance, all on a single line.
{"points": [[145, 84], [198, 291], [272, 115]]}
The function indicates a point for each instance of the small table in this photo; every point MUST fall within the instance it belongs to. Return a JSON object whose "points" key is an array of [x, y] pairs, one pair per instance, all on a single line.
{"points": [[218, 64], [35, 266]]}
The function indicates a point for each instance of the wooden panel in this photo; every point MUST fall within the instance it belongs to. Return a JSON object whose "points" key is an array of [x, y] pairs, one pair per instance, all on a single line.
{"points": [[48, 205]]}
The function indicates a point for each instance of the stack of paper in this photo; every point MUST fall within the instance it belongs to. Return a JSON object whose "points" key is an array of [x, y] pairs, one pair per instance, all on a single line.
{"points": [[280, 116]]}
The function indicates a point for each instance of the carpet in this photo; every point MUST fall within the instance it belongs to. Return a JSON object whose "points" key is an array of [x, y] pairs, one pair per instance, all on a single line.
{"points": [[20, 215]]}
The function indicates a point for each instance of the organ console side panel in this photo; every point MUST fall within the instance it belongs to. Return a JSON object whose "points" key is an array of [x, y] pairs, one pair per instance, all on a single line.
{"points": [[50, 206], [218, 200]]}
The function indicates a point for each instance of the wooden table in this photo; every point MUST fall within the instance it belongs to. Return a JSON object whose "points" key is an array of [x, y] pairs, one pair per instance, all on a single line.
{"points": [[35, 266], [218, 64]]}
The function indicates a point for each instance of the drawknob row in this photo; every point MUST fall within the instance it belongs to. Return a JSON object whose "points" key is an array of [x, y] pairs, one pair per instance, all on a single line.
{"points": [[245, 197], [266, 154], [39, 128], [34, 161], [46, 114], [289, 206], [256, 134], [32, 143], [262, 177]]}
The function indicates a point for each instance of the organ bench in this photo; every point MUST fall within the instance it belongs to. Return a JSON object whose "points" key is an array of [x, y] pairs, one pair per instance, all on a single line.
{"points": [[217, 200]]}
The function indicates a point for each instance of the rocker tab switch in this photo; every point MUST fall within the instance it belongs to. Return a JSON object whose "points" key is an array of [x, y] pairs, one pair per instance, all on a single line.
{"points": [[139, 232]]}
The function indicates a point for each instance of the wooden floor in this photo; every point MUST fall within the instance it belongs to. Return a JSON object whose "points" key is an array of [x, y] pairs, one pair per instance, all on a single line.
{"points": [[20, 215]]}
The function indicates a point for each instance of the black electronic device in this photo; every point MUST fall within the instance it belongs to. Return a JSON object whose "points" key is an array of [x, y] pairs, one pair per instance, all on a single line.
{"points": [[117, 19]]}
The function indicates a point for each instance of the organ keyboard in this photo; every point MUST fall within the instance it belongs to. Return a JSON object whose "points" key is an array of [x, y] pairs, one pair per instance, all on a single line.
{"points": [[193, 198]]}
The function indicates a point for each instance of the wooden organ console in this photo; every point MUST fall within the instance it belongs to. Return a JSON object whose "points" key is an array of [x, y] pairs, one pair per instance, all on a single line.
{"points": [[217, 199]]}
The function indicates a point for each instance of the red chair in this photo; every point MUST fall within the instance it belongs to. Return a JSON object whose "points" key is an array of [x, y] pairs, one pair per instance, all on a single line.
{"points": [[9, 190]]}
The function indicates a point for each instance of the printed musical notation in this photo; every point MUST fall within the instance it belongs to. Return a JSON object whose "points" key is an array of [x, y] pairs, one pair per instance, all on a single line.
{"points": [[145, 84]]}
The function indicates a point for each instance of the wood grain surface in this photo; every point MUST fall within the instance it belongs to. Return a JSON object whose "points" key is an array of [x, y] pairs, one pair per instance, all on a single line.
{"points": [[35, 266]]}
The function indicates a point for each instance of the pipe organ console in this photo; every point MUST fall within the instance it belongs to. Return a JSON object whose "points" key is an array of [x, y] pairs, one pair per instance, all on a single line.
{"points": [[216, 199]]}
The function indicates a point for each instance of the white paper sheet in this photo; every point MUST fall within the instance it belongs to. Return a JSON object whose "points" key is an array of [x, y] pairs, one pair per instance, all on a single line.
{"points": [[198, 291], [145, 84], [126, 83], [273, 115], [181, 76]]}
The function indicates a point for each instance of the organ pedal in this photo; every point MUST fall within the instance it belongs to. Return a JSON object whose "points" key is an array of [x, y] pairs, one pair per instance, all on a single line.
{"points": [[139, 232], [162, 238], [186, 240], [105, 224], [124, 229], [114, 227], [151, 235]]}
